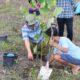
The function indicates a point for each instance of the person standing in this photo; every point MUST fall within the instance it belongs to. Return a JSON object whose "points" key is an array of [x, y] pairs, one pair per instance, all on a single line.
{"points": [[66, 17]]}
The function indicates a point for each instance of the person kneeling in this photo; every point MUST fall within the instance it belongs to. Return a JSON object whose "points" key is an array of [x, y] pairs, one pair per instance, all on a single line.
{"points": [[31, 29], [65, 51]]}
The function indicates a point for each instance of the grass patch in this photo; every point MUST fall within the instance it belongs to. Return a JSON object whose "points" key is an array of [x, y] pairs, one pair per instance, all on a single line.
{"points": [[7, 8]]}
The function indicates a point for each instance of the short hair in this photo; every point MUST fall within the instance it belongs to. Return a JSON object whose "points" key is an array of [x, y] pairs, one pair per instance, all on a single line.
{"points": [[52, 31]]}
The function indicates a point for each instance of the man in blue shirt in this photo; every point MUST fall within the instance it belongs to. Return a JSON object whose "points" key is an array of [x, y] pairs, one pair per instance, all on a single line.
{"points": [[29, 31], [64, 51], [66, 17]]}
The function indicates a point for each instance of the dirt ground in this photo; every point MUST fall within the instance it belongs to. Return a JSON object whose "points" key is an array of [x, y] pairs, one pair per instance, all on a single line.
{"points": [[10, 23]]}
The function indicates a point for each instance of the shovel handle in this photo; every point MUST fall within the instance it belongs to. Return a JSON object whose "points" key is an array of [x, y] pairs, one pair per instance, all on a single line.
{"points": [[47, 64]]}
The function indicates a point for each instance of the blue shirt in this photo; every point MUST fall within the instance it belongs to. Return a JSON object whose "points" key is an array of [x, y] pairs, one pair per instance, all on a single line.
{"points": [[68, 8], [77, 11], [73, 50], [29, 34]]}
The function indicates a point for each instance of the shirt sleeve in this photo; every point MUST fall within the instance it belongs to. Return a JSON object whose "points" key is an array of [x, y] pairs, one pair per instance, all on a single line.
{"points": [[24, 34]]}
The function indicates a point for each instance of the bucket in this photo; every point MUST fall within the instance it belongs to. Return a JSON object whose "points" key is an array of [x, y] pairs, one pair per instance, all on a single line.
{"points": [[3, 37], [9, 59]]}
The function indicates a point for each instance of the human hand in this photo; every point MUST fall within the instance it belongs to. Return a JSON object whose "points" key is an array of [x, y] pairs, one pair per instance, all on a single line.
{"points": [[30, 56]]}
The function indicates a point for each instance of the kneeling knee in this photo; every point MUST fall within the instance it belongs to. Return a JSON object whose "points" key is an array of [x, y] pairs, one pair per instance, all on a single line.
{"points": [[57, 57]]}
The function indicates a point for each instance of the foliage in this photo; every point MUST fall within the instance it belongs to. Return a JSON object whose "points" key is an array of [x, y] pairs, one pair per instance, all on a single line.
{"points": [[35, 49], [24, 11], [43, 27], [50, 2], [33, 74], [32, 3], [45, 8], [5, 46], [57, 11]]}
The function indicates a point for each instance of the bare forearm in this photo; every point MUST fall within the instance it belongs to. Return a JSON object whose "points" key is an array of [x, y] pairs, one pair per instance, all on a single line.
{"points": [[27, 45], [56, 45], [62, 49]]}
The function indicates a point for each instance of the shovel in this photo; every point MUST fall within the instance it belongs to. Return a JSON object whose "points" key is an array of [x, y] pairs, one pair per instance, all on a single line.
{"points": [[45, 72]]}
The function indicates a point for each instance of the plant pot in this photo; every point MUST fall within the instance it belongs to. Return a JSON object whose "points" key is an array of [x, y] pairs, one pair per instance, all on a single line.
{"points": [[9, 59], [3, 37]]}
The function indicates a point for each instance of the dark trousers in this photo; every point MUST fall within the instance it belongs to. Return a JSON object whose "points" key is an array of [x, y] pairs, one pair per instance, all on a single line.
{"points": [[69, 26]]}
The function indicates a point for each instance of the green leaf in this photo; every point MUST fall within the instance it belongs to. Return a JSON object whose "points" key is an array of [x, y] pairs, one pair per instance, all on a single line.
{"points": [[43, 4], [45, 9], [51, 20], [35, 49], [46, 38], [37, 37], [24, 10], [41, 1], [57, 11], [33, 3], [54, 2], [43, 27], [51, 3]]}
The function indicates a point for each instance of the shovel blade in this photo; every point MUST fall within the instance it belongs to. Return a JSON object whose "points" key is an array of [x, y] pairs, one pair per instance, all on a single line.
{"points": [[44, 73]]}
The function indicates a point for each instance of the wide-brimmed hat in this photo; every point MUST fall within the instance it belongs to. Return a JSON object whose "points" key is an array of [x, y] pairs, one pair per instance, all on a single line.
{"points": [[30, 19]]}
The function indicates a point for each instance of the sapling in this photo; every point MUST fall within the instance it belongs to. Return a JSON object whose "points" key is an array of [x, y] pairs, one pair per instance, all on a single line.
{"points": [[45, 8]]}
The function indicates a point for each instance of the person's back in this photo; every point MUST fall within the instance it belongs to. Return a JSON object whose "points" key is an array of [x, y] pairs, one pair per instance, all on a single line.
{"points": [[66, 42], [73, 50]]}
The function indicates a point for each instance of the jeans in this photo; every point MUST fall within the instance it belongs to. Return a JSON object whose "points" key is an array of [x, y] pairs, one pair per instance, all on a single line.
{"points": [[69, 25]]}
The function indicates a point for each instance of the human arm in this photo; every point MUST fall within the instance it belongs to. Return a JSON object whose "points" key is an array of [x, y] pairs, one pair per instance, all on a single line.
{"points": [[27, 45], [26, 41], [56, 45]]}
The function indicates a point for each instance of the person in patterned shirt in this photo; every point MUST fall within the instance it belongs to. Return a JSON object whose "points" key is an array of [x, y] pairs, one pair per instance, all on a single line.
{"points": [[29, 31], [66, 17]]}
